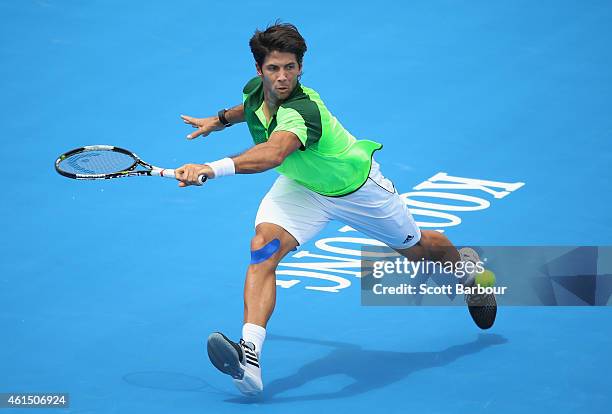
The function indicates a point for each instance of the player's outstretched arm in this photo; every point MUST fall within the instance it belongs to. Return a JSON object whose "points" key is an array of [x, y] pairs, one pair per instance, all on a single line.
{"points": [[259, 158], [268, 155], [205, 126]]}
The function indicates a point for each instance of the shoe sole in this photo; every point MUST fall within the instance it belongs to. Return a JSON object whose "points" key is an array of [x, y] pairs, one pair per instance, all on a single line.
{"points": [[484, 313], [224, 356]]}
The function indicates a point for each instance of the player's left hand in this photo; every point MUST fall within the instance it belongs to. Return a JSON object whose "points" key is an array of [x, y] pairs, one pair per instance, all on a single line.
{"points": [[204, 126], [188, 174]]}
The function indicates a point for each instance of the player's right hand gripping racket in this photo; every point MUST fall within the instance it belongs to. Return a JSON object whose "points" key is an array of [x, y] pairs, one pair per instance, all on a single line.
{"points": [[101, 162]]}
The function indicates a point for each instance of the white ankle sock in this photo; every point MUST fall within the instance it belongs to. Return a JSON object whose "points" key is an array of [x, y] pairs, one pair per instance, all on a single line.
{"points": [[255, 334]]}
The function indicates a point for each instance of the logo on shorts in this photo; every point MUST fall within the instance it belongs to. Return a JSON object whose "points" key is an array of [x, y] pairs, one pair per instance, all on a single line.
{"points": [[410, 237]]}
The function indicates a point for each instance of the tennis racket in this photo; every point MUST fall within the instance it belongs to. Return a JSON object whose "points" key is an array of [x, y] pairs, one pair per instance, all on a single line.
{"points": [[101, 162]]}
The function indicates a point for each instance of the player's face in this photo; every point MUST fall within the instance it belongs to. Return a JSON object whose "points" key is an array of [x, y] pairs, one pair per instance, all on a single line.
{"points": [[279, 74]]}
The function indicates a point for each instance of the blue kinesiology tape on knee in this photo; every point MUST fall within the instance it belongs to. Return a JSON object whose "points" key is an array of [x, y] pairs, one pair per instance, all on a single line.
{"points": [[265, 252]]}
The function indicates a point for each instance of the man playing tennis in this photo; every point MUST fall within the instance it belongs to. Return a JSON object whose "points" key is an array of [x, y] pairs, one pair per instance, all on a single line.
{"points": [[325, 174]]}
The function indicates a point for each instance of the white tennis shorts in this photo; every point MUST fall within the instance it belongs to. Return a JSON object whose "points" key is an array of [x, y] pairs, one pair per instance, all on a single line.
{"points": [[375, 210]]}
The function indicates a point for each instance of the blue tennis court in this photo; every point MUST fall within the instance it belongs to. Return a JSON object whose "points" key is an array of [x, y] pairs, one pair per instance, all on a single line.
{"points": [[109, 289]]}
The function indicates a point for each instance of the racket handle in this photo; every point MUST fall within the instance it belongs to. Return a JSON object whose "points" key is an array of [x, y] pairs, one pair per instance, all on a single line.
{"points": [[163, 172], [169, 173]]}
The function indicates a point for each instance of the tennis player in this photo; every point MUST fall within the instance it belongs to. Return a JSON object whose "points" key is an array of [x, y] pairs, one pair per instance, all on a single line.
{"points": [[325, 174]]}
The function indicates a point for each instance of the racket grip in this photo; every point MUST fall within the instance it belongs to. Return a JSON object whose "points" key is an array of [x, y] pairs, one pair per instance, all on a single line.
{"points": [[169, 173], [163, 172]]}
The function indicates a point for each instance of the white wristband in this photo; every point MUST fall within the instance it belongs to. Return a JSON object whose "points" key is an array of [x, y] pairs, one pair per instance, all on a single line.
{"points": [[223, 167]]}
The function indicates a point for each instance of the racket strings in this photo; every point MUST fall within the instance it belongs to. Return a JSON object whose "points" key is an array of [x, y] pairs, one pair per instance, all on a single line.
{"points": [[97, 162]]}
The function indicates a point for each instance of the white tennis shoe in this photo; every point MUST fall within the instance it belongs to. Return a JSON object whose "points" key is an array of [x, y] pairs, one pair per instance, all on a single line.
{"points": [[467, 254], [238, 360], [482, 307]]}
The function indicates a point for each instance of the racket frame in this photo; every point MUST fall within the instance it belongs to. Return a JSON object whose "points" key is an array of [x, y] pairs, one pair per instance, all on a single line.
{"points": [[131, 171]]}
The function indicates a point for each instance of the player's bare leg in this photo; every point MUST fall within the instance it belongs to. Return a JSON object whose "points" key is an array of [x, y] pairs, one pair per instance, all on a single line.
{"points": [[242, 360], [435, 246], [260, 283]]}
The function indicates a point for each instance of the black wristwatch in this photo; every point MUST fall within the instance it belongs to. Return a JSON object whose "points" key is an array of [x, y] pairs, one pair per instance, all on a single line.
{"points": [[223, 119]]}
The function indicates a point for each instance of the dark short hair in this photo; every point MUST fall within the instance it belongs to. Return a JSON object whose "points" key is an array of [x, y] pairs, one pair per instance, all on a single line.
{"points": [[280, 37]]}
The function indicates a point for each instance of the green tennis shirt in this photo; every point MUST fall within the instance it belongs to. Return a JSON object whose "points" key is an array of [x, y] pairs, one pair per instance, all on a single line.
{"points": [[330, 161]]}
